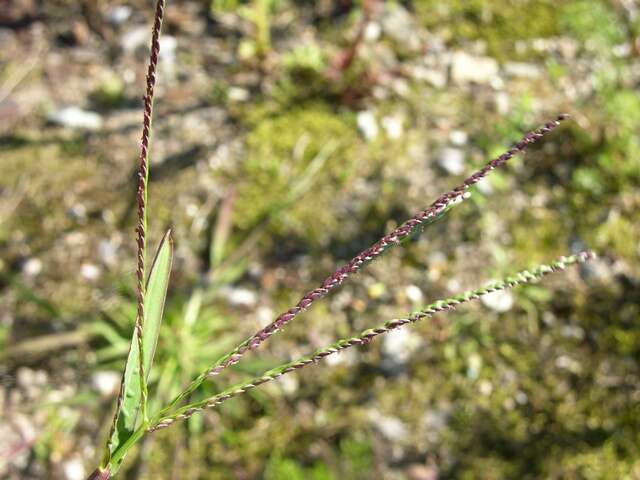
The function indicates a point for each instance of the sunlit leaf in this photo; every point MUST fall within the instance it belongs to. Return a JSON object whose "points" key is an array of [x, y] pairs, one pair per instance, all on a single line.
{"points": [[157, 284]]}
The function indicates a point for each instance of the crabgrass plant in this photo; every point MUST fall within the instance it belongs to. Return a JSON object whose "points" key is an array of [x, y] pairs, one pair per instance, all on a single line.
{"points": [[132, 420]]}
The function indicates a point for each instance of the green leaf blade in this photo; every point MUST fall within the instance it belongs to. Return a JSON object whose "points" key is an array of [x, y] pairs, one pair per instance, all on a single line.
{"points": [[126, 418], [155, 296]]}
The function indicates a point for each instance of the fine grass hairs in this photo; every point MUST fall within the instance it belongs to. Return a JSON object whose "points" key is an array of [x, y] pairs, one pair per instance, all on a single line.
{"points": [[132, 420]]}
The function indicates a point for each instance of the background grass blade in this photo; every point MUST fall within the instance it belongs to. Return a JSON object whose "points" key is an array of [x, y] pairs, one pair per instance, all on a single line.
{"points": [[127, 415]]}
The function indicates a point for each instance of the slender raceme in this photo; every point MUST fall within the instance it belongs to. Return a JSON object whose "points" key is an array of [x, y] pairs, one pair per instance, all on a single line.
{"points": [[366, 336], [435, 210], [141, 195], [143, 180]]}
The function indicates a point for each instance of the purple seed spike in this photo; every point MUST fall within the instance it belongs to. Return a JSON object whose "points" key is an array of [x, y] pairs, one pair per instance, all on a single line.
{"points": [[389, 240]]}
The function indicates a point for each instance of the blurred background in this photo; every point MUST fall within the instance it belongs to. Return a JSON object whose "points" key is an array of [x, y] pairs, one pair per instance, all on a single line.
{"points": [[288, 136]]}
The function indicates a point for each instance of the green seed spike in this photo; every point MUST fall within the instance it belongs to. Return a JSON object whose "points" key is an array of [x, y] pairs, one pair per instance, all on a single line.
{"points": [[525, 276]]}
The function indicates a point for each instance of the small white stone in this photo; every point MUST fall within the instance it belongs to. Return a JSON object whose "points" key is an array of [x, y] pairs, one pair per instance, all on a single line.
{"points": [[74, 469], [458, 137], [135, 38], [573, 331], [522, 70], [452, 160], [400, 87], [502, 102], [108, 252], [435, 78], [400, 25], [622, 50], [500, 301], [264, 316], [343, 357], [25, 377], [485, 387], [433, 423], [509, 403], [474, 364], [75, 117], [119, 14], [32, 267], [399, 344], [391, 428], [485, 187], [240, 297], [414, 294], [393, 126], [567, 363], [372, 32], [78, 211], [192, 210], [367, 124], [466, 68], [289, 384], [90, 271], [168, 48], [75, 239], [106, 382], [238, 94]]}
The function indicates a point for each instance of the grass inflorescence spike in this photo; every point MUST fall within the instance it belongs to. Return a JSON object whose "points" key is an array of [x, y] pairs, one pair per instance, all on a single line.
{"points": [[525, 276], [410, 227]]}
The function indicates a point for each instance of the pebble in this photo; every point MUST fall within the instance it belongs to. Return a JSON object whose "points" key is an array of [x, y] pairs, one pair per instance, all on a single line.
{"points": [[422, 472], [108, 252], [32, 267], [78, 212], [77, 118], [522, 70], [367, 124], [452, 160], [485, 387], [31, 381], [239, 296], [106, 382], [392, 126], [90, 271], [414, 294], [289, 384], [433, 424], [474, 365], [135, 38], [391, 428], [265, 316], [345, 357], [74, 469], [399, 25], [567, 363], [502, 103], [399, 344], [500, 301], [119, 14], [168, 48], [372, 31], [238, 94], [435, 78], [466, 68], [458, 137]]}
